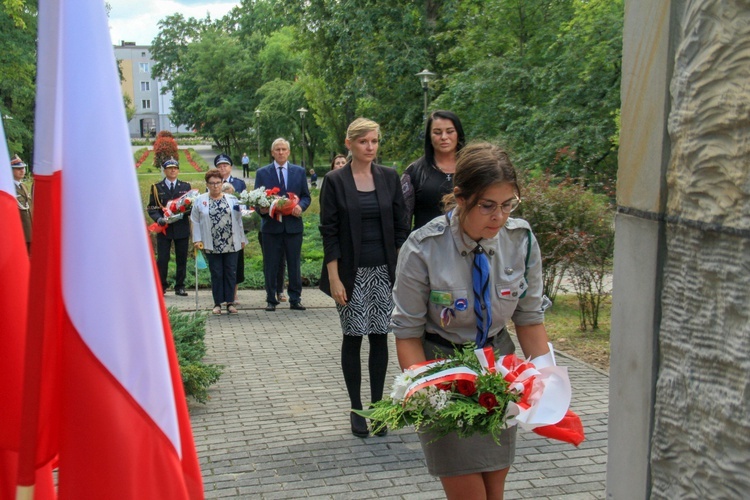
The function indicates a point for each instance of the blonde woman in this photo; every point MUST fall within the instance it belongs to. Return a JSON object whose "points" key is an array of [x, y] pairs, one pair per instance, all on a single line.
{"points": [[362, 224]]}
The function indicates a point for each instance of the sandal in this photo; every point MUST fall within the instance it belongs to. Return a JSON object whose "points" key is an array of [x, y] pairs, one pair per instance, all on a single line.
{"points": [[231, 309], [217, 310]]}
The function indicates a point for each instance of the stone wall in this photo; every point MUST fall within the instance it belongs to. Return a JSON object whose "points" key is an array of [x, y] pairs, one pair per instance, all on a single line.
{"points": [[701, 436]]}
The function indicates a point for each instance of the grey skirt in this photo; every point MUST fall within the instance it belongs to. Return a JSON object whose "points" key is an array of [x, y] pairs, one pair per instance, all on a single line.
{"points": [[454, 456]]}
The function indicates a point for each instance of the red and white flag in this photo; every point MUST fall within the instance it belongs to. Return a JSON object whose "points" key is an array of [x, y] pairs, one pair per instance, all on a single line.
{"points": [[103, 391], [14, 284]]}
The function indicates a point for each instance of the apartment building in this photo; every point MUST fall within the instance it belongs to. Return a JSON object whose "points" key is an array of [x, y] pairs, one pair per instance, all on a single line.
{"points": [[152, 108]]}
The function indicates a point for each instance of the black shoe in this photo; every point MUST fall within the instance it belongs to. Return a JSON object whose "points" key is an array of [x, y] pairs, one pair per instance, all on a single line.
{"points": [[297, 306], [359, 425], [181, 292], [270, 306], [382, 432]]}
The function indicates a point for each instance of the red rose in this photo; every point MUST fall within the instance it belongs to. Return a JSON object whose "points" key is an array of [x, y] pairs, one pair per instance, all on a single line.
{"points": [[182, 208], [172, 207], [488, 400], [444, 386], [466, 387], [187, 202]]}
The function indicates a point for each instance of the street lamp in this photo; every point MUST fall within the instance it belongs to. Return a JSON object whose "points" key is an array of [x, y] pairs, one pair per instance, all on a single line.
{"points": [[257, 131], [425, 76], [302, 113]]}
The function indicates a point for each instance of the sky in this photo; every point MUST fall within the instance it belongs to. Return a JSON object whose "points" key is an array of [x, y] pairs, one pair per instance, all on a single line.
{"points": [[136, 20]]}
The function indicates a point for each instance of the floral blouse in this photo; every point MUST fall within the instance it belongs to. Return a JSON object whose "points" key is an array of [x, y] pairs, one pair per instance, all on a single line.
{"points": [[221, 225]]}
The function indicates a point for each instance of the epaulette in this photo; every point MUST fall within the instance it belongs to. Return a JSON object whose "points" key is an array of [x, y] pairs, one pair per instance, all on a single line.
{"points": [[511, 224], [432, 229]]}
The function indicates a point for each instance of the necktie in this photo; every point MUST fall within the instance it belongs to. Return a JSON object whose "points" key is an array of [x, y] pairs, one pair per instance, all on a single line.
{"points": [[282, 184], [480, 277]]}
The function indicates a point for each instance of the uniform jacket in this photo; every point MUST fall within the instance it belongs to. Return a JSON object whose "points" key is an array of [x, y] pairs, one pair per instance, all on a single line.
{"points": [[158, 199], [341, 216], [296, 182], [238, 184], [24, 206], [437, 258]]}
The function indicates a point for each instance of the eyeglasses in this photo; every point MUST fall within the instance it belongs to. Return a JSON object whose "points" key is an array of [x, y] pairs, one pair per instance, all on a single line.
{"points": [[214, 183], [487, 207]]}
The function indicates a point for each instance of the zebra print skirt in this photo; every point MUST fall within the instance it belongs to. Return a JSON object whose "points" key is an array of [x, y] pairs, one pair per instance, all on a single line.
{"points": [[369, 308]]}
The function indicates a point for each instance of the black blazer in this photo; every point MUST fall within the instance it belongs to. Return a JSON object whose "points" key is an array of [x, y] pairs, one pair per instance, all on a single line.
{"points": [[178, 229], [341, 222]]}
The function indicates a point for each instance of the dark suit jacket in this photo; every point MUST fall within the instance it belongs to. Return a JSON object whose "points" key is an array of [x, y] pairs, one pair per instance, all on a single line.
{"points": [[296, 182], [341, 222], [160, 196], [238, 185]]}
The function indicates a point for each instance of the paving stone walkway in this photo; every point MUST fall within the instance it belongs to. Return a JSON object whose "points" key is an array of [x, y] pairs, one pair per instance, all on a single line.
{"points": [[277, 424]]}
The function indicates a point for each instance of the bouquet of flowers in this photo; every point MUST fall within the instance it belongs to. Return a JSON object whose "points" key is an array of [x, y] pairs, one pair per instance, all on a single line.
{"points": [[175, 210], [278, 206], [473, 392], [260, 197]]}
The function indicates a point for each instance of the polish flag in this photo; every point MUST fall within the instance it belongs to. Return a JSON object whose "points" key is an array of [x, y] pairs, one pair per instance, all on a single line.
{"points": [[14, 284], [103, 395]]}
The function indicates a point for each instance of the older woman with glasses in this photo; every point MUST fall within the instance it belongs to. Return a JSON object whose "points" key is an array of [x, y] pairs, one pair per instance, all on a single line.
{"points": [[461, 278], [217, 228]]}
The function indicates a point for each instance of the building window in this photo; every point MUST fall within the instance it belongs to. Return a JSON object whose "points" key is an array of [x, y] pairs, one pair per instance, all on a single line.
{"points": [[146, 103], [144, 67], [145, 86], [143, 54]]}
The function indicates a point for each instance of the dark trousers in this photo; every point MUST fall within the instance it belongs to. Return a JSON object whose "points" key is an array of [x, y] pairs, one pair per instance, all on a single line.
{"points": [[163, 247], [245, 170], [223, 268], [275, 248], [282, 266]]}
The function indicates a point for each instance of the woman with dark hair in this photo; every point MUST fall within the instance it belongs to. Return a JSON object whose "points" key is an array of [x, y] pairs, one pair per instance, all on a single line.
{"points": [[337, 162], [428, 179], [480, 268], [362, 224], [217, 229]]}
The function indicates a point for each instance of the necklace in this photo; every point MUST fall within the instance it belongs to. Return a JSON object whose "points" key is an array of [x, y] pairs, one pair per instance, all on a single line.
{"points": [[448, 175]]}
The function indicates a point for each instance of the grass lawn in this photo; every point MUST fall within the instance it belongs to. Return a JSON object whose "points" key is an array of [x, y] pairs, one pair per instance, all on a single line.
{"points": [[563, 328]]}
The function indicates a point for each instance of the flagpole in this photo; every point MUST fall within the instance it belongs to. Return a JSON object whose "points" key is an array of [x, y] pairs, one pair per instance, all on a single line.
{"points": [[195, 257]]}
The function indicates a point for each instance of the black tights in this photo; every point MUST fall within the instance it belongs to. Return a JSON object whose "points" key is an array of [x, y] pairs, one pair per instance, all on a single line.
{"points": [[377, 364]]}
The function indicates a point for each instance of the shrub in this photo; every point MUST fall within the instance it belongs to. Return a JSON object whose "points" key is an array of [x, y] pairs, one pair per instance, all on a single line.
{"points": [[165, 148], [575, 232], [189, 331]]}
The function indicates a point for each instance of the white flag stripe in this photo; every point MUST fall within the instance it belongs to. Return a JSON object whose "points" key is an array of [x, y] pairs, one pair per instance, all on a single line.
{"points": [[109, 287], [6, 177], [47, 143]]}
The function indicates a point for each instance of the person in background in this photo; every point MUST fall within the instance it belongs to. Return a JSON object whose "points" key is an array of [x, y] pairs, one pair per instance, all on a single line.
{"points": [[217, 229], [245, 166], [224, 165], [428, 179], [473, 255], [283, 239], [313, 178], [362, 225], [23, 197], [178, 232], [337, 162]]}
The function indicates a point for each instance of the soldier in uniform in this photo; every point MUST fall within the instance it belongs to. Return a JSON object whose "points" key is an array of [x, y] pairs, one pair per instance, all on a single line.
{"points": [[23, 197], [178, 231]]}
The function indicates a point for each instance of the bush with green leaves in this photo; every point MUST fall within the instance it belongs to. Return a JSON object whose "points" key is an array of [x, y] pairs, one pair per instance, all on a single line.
{"points": [[189, 331], [575, 231]]}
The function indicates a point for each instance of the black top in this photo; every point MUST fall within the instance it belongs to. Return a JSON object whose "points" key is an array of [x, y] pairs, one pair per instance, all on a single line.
{"points": [[424, 186], [372, 252]]}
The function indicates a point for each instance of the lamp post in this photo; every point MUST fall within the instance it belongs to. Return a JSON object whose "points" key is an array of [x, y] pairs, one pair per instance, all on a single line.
{"points": [[425, 76], [257, 131], [302, 113]]}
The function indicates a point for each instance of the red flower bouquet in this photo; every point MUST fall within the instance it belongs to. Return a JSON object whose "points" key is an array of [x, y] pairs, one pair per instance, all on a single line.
{"points": [[472, 392], [175, 210]]}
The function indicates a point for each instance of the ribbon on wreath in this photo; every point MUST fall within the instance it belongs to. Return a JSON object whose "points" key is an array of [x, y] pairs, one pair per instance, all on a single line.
{"points": [[544, 407]]}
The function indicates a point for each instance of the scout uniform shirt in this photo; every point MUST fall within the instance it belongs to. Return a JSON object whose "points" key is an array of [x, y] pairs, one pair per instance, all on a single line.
{"points": [[434, 278]]}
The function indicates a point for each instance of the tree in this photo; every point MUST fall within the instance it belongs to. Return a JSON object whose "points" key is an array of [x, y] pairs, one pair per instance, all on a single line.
{"points": [[18, 66]]}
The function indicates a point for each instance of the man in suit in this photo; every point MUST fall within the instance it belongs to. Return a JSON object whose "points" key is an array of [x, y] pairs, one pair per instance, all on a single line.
{"points": [[178, 231], [23, 197], [283, 238]]}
